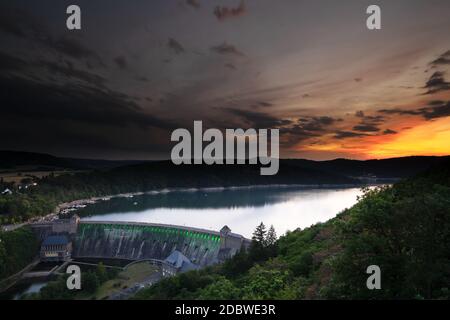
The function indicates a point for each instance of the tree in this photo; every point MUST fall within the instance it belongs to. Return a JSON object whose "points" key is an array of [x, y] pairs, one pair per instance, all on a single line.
{"points": [[265, 283], [237, 265], [259, 235], [271, 237], [90, 282], [221, 289], [258, 250]]}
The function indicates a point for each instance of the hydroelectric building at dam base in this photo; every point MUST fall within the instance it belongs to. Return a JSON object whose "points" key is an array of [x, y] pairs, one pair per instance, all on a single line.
{"points": [[176, 248]]}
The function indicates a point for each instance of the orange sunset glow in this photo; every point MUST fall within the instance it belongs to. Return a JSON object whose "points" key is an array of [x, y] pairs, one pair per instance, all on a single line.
{"points": [[425, 139]]}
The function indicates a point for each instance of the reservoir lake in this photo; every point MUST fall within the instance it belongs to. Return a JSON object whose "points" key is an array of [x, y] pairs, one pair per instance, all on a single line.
{"points": [[241, 209]]}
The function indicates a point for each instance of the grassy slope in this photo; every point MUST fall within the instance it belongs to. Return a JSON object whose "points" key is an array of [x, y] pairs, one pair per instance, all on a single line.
{"points": [[135, 273], [404, 229]]}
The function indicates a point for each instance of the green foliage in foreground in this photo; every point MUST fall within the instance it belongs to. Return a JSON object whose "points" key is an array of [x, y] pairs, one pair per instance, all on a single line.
{"points": [[18, 248], [404, 229]]}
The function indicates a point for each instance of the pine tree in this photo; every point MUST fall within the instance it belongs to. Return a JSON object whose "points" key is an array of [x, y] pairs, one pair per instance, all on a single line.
{"points": [[259, 235], [271, 237]]}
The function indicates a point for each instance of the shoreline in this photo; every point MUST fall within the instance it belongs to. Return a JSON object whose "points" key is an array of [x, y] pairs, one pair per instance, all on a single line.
{"points": [[93, 200]]}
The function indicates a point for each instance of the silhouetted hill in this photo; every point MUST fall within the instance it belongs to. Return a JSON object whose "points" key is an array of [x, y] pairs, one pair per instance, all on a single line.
{"points": [[383, 168], [166, 174], [13, 159], [290, 170], [308, 170]]}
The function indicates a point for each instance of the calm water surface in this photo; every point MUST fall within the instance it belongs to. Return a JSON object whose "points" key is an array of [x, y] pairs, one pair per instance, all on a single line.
{"points": [[286, 208]]}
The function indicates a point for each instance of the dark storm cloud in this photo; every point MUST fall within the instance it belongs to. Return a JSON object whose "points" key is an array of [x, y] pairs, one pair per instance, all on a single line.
{"points": [[374, 120], [306, 128], [142, 79], [437, 83], [40, 68], [10, 63], [193, 3], [223, 13], [312, 126], [389, 131], [227, 49], [366, 128], [71, 47], [359, 114], [175, 46], [316, 123], [368, 123], [325, 120], [292, 135], [258, 119], [299, 132], [230, 66], [349, 134], [8, 24], [76, 111], [400, 111], [443, 59], [264, 104], [369, 120], [20, 23], [435, 109], [436, 103], [69, 72], [121, 62], [23, 98]]}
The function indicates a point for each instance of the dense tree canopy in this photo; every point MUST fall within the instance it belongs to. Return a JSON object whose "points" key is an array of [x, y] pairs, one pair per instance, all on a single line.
{"points": [[18, 248]]}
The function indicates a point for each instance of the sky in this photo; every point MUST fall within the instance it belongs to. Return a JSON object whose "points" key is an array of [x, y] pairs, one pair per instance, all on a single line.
{"points": [[137, 70]]}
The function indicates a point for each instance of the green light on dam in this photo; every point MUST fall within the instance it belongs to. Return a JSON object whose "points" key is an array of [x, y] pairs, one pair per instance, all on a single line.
{"points": [[153, 229]]}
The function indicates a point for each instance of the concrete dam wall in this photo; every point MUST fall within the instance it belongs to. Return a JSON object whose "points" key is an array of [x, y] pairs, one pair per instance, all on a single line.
{"points": [[138, 241], [142, 241]]}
